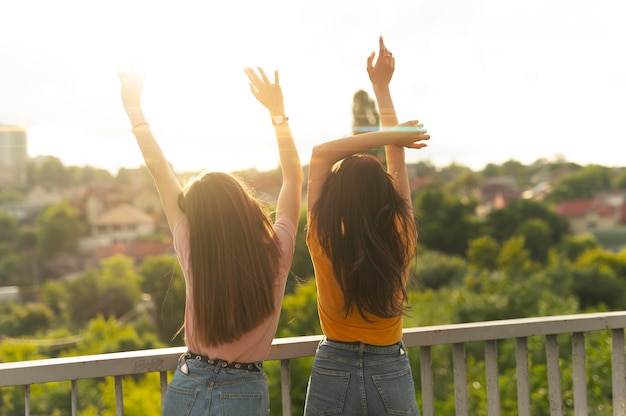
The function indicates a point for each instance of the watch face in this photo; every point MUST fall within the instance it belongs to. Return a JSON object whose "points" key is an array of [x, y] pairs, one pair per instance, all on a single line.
{"points": [[278, 119]]}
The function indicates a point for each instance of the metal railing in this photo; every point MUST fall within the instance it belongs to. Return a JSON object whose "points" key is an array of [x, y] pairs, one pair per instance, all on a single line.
{"points": [[118, 365]]}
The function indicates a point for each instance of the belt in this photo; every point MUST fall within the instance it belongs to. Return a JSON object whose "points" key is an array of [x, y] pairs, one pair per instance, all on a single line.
{"points": [[258, 366]]}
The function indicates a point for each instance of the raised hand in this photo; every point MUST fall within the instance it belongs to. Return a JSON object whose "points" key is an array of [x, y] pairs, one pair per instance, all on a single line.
{"points": [[411, 134], [132, 85], [269, 94], [380, 73]]}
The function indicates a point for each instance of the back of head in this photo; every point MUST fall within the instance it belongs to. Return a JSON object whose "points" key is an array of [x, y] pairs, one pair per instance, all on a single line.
{"points": [[234, 257], [366, 228]]}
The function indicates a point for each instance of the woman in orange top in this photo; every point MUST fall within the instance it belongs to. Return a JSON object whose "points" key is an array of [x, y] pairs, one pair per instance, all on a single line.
{"points": [[362, 238]]}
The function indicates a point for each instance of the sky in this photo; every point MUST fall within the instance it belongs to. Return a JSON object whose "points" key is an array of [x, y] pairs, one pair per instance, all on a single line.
{"points": [[491, 80]]}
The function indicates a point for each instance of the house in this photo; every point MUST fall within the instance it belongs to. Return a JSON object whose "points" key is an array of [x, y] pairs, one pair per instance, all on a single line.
{"points": [[588, 215], [122, 223], [603, 217]]}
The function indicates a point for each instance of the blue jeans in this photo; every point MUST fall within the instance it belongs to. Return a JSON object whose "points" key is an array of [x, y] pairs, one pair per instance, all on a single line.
{"points": [[204, 389], [360, 379]]}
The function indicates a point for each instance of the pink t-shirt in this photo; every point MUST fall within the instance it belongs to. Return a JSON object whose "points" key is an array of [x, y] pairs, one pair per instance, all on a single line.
{"points": [[254, 345]]}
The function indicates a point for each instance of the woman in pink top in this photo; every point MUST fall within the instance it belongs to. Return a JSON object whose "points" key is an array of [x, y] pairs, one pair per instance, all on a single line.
{"points": [[235, 262], [362, 237]]}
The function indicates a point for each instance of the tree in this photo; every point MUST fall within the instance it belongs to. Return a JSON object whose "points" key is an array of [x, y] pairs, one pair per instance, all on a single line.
{"points": [[58, 228], [163, 279], [445, 223], [434, 270], [514, 258], [49, 173], [8, 227], [505, 223], [537, 238], [301, 266], [24, 320], [111, 292], [572, 246], [482, 253], [366, 118], [582, 184]]}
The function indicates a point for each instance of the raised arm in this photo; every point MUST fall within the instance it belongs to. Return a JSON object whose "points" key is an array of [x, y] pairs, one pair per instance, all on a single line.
{"points": [[410, 134], [380, 74], [271, 96], [166, 182]]}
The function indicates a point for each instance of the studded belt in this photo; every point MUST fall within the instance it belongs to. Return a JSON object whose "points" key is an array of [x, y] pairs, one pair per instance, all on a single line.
{"points": [[258, 366]]}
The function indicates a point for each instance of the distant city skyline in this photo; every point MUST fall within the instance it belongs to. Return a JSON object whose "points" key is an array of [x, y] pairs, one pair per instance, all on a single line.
{"points": [[490, 80]]}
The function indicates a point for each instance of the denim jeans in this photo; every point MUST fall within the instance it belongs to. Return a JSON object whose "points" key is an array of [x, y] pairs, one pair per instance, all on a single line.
{"points": [[202, 389], [360, 379]]}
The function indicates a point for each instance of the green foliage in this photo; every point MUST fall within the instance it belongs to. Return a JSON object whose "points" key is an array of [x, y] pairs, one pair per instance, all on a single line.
{"points": [[163, 280], [434, 270], [302, 266], [482, 253], [597, 285], [298, 315], [8, 227], [445, 223], [572, 246], [112, 291], [58, 228], [514, 258], [11, 195], [18, 320], [582, 184], [505, 223], [537, 239]]}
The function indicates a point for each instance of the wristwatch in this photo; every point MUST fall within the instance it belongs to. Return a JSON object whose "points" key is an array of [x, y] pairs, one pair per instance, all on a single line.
{"points": [[278, 120]]}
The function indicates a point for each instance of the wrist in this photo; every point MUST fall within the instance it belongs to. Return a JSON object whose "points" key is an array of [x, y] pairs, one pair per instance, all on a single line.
{"points": [[278, 119]]}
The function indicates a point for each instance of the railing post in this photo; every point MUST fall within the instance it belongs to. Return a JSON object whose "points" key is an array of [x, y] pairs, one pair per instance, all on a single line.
{"points": [[74, 388], [523, 378], [163, 386], [426, 374], [119, 397], [459, 364], [579, 363], [493, 386], [554, 376], [27, 400], [618, 371], [285, 386]]}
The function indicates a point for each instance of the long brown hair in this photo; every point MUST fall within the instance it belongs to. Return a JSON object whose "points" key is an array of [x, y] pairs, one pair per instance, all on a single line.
{"points": [[234, 258], [368, 231]]}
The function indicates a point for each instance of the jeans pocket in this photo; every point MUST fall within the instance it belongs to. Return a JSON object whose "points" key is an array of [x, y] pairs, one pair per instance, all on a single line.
{"points": [[327, 392], [243, 404], [179, 401], [397, 392]]}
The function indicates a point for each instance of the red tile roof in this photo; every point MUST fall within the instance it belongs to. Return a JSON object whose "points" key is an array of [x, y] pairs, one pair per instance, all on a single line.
{"points": [[579, 208], [137, 250]]}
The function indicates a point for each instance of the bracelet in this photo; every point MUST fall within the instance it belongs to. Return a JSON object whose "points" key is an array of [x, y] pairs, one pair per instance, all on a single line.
{"points": [[143, 123], [278, 120]]}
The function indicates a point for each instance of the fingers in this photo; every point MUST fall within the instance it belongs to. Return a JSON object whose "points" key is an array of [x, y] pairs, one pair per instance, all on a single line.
{"points": [[265, 79], [252, 76], [276, 81], [370, 61]]}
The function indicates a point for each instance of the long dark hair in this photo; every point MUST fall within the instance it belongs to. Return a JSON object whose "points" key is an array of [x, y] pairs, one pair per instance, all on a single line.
{"points": [[368, 231], [234, 258]]}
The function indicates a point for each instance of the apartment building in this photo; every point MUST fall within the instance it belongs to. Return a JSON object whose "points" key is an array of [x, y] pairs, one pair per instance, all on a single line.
{"points": [[13, 156]]}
